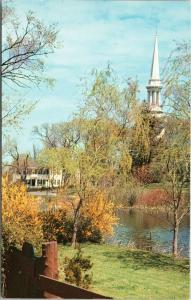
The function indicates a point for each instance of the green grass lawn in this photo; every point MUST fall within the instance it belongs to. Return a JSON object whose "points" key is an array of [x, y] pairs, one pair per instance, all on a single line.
{"points": [[133, 274]]}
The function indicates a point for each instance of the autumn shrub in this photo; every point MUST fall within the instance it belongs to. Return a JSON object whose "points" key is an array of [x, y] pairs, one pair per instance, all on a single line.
{"points": [[20, 216], [54, 225], [101, 212], [58, 225], [88, 232], [20, 221], [96, 221], [153, 198], [76, 270], [144, 174]]}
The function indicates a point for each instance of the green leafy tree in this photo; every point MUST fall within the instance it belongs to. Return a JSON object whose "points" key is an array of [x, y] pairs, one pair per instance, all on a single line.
{"points": [[173, 161], [145, 135], [49, 158], [177, 80], [92, 149], [87, 172]]}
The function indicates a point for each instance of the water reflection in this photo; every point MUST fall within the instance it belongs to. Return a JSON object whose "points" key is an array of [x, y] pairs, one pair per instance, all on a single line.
{"points": [[150, 231], [141, 229]]}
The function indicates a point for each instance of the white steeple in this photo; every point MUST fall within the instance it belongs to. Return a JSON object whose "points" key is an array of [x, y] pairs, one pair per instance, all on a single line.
{"points": [[154, 87], [155, 63]]}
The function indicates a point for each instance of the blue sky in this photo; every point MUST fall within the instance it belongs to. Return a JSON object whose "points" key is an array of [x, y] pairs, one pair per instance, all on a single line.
{"points": [[95, 33]]}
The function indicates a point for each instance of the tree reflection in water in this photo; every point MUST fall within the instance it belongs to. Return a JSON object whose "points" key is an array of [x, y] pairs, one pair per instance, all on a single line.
{"points": [[149, 231]]}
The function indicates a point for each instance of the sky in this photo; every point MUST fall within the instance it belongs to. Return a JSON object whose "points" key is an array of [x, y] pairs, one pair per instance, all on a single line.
{"points": [[94, 33]]}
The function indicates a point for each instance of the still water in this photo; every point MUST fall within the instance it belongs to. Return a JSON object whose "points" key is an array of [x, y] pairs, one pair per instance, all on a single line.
{"points": [[149, 230], [141, 228]]}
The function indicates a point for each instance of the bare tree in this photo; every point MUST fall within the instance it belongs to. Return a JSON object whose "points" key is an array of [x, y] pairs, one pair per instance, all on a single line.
{"points": [[24, 47], [46, 134], [19, 163], [66, 134]]}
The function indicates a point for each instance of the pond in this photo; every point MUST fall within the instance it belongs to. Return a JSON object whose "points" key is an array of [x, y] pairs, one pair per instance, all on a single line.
{"points": [[140, 228], [149, 230]]}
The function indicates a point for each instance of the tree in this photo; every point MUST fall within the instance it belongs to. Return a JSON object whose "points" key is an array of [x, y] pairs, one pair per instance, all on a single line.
{"points": [[94, 144], [64, 134], [104, 121], [24, 46], [14, 111], [107, 98], [47, 135], [177, 80], [83, 161], [94, 148], [48, 158], [173, 163], [174, 155], [57, 160], [20, 162], [144, 136], [86, 174]]}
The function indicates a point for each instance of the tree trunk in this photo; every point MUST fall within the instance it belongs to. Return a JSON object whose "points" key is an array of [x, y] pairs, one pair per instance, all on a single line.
{"points": [[75, 229], [175, 236], [24, 177], [75, 226]]}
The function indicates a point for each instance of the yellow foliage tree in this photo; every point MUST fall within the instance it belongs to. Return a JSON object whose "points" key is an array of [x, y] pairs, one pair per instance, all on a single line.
{"points": [[20, 216], [101, 212]]}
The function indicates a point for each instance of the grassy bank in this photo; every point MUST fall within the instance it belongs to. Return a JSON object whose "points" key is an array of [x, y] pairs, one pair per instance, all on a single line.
{"points": [[133, 274]]}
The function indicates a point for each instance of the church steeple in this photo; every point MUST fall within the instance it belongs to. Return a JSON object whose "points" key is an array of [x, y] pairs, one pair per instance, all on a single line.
{"points": [[155, 63], [154, 87]]}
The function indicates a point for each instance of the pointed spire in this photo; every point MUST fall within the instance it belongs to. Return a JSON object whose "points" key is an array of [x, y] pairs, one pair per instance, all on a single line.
{"points": [[155, 63], [154, 86]]}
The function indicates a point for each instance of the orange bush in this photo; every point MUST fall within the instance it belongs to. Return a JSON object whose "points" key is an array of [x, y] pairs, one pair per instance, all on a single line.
{"points": [[20, 215], [101, 212], [97, 217], [153, 198]]}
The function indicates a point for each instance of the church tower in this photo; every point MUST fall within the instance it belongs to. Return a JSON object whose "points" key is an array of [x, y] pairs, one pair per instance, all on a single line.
{"points": [[154, 86]]}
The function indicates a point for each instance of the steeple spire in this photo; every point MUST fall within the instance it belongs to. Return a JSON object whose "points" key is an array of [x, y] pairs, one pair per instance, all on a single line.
{"points": [[155, 63], [154, 87]]}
